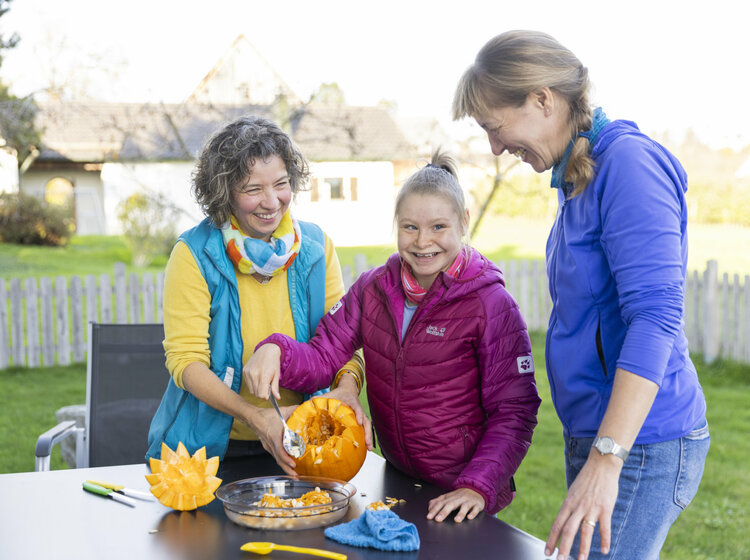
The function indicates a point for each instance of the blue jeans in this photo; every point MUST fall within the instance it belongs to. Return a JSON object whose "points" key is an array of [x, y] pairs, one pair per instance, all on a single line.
{"points": [[657, 482]]}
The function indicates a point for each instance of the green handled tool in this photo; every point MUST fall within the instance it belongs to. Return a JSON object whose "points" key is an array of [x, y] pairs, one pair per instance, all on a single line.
{"points": [[109, 492], [119, 488]]}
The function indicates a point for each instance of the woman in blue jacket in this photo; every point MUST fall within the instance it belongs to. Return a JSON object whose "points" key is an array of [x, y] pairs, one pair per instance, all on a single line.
{"points": [[621, 378]]}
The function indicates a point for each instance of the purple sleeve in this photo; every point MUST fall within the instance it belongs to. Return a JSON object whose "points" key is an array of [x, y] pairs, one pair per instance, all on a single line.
{"points": [[510, 401], [307, 368]]}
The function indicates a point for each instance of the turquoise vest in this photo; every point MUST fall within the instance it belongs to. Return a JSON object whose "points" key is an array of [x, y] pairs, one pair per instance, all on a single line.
{"points": [[183, 418]]}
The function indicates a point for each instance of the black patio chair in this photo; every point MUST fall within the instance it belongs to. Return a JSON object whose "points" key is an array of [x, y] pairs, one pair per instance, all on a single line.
{"points": [[126, 378]]}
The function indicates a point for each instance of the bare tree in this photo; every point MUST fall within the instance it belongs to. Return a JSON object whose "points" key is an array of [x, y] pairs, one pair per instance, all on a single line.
{"points": [[17, 114]]}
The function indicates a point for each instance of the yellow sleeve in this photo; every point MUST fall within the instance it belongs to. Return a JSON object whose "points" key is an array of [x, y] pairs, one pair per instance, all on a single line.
{"points": [[187, 304], [334, 292]]}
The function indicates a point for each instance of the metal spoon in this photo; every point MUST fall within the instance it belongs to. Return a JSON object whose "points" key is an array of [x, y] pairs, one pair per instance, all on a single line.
{"points": [[266, 548], [292, 441]]}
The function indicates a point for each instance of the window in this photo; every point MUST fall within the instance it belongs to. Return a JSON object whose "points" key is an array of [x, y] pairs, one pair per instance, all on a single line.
{"points": [[336, 185], [353, 187], [58, 191]]}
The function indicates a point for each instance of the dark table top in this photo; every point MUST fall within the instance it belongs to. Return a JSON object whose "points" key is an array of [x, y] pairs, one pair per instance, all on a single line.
{"points": [[48, 515]]}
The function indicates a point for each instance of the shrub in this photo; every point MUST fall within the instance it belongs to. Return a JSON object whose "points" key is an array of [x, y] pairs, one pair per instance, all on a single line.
{"points": [[27, 220], [148, 223]]}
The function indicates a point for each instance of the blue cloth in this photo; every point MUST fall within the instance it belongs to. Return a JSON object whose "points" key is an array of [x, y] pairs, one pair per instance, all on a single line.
{"points": [[598, 122], [183, 418], [657, 482], [616, 263], [381, 529]]}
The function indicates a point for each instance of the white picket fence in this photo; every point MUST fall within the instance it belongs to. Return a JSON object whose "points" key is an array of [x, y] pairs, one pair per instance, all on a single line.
{"points": [[43, 322]]}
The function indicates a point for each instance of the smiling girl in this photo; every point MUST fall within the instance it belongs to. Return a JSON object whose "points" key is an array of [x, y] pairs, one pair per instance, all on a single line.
{"points": [[450, 378]]}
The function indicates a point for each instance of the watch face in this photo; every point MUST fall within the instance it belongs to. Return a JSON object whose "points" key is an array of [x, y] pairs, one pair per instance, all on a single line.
{"points": [[605, 445]]}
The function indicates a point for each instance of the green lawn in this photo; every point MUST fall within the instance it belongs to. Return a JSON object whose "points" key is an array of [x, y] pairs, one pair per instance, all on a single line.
{"points": [[713, 527], [499, 238]]}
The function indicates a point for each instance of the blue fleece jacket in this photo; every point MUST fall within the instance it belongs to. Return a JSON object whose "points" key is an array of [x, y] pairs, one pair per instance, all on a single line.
{"points": [[616, 261]]}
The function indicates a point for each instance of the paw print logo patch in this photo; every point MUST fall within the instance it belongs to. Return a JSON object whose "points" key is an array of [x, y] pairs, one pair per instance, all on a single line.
{"points": [[525, 364]]}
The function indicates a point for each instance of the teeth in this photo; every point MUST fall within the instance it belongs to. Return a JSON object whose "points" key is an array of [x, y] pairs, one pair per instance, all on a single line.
{"points": [[520, 153], [266, 216], [425, 254]]}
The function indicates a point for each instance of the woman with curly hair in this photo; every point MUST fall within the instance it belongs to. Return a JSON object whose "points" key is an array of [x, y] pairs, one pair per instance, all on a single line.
{"points": [[247, 270]]}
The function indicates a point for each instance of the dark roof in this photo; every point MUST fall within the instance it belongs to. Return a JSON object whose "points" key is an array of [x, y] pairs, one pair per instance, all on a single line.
{"points": [[104, 132], [340, 132]]}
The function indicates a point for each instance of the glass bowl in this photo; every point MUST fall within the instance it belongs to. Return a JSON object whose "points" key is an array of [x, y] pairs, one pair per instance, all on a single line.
{"points": [[240, 501]]}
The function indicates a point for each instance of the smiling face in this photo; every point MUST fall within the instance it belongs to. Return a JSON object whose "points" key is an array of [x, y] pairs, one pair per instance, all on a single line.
{"points": [[260, 203], [536, 132], [429, 235]]}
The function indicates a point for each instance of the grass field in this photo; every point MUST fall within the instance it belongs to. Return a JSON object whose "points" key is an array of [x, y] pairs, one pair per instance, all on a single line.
{"points": [[503, 238], [499, 237]]}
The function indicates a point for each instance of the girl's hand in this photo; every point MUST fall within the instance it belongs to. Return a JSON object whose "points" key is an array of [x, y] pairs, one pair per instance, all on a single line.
{"points": [[590, 500], [468, 503], [262, 371], [348, 393]]}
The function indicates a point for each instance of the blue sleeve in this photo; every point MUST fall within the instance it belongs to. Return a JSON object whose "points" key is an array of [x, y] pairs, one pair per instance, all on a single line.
{"points": [[643, 221]]}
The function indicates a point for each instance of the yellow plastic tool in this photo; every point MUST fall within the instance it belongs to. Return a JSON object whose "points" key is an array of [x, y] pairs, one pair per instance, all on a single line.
{"points": [[267, 547]]}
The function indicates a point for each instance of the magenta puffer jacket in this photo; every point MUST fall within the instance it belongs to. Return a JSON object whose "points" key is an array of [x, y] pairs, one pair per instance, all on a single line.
{"points": [[455, 402]]}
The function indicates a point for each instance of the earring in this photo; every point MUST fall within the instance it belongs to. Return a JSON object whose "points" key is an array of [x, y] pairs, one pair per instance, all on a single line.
{"points": [[546, 111]]}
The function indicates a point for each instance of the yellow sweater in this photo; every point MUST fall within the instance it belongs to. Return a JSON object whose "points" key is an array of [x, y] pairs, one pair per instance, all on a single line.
{"points": [[187, 302]]}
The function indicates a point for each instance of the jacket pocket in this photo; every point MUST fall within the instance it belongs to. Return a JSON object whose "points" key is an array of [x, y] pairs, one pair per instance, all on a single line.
{"points": [[468, 446], [600, 348]]}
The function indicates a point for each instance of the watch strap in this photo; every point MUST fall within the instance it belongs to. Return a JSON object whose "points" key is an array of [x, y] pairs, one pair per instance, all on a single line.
{"points": [[616, 450]]}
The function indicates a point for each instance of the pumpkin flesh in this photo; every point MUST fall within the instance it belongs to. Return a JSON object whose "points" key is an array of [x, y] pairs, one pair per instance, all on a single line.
{"points": [[334, 442], [183, 482]]}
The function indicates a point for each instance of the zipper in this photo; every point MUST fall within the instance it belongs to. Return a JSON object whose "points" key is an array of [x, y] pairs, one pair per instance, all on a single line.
{"points": [[397, 371], [397, 406], [551, 273]]}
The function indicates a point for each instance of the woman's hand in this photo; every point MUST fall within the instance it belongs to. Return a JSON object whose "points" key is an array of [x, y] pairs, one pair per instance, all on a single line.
{"points": [[268, 427], [468, 503], [262, 371], [348, 393], [591, 499]]}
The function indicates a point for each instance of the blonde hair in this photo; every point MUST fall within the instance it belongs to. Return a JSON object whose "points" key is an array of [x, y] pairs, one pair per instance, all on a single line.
{"points": [[439, 177], [515, 64]]}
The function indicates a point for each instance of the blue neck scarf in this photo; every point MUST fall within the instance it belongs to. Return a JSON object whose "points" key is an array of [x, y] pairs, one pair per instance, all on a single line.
{"points": [[599, 121]]}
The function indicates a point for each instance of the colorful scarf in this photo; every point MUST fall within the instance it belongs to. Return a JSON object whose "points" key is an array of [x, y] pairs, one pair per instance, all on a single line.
{"points": [[269, 258], [598, 122], [414, 292]]}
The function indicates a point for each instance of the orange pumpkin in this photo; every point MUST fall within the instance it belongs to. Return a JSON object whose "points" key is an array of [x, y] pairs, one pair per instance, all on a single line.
{"points": [[334, 442], [183, 482]]}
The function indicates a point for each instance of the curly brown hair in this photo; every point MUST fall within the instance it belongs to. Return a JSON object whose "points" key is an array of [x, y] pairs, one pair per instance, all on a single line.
{"points": [[227, 159]]}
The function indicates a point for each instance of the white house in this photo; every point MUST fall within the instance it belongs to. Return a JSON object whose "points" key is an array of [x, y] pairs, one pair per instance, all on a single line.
{"points": [[100, 153], [8, 169]]}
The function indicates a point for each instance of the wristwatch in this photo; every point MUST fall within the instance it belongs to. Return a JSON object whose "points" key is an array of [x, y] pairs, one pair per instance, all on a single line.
{"points": [[607, 446]]}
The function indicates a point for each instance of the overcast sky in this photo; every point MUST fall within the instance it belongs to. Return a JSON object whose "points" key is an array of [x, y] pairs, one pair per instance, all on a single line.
{"points": [[668, 65]]}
